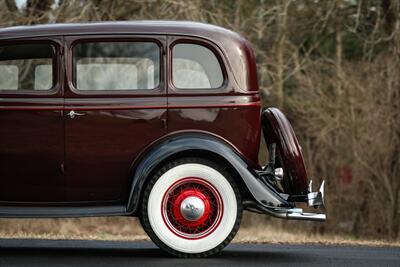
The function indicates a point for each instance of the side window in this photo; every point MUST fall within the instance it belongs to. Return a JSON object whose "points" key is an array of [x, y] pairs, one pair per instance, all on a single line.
{"points": [[116, 65], [195, 67], [27, 67]]}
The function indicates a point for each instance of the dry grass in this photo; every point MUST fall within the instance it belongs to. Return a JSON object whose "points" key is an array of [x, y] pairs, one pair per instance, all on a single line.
{"points": [[104, 228], [255, 229]]}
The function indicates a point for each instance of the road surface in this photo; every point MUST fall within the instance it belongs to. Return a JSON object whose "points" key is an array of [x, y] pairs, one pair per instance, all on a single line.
{"points": [[30, 252]]}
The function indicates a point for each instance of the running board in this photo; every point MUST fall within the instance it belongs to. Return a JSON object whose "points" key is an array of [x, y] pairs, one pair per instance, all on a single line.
{"points": [[60, 212]]}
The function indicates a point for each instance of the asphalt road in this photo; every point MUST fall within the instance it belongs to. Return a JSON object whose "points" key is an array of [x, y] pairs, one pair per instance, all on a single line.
{"points": [[110, 253]]}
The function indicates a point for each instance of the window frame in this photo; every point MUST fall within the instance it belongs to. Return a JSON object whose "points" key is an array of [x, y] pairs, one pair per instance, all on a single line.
{"points": [[57, 68], [215, 49], [72, 41]]}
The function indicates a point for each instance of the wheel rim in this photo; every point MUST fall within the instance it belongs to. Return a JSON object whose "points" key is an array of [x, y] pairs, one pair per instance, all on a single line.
{"points": [[192, 208]]}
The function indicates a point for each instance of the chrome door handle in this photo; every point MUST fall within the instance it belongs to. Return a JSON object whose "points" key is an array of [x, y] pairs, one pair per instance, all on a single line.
{"points": [[72, 114]]}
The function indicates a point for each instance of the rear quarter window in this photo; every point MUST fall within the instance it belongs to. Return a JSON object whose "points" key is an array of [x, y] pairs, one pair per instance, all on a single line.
{"points": [[195, 67]]}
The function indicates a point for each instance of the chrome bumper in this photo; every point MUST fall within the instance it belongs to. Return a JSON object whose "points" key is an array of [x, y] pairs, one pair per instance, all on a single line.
{"points": [[286, 213], [305, 216], [298, 214], [313, 199], [316, 199]]}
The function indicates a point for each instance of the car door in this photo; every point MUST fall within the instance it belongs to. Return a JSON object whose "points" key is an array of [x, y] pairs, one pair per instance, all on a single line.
{"points": [[115, 107], [31, 121]]}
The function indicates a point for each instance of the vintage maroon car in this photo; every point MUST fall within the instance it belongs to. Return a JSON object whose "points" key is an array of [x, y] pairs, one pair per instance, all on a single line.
{"points": [[156, 119]]}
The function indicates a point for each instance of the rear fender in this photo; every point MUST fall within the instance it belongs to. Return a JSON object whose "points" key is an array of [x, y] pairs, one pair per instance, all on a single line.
{"points": [[164, 150], [277, 129]]}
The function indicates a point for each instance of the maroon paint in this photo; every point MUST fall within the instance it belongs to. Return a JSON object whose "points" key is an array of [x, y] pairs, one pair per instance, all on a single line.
{"points": [[32, 140], [238, 120], [101, 145], [235, 124], [31, 154]]}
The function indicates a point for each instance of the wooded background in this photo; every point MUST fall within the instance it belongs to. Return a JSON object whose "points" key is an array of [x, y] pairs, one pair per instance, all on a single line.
{"points": [[331, 65]]}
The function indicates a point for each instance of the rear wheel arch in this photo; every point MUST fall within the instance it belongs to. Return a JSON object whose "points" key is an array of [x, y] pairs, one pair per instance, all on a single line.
{"points": [[199, 145], [206, 155]]}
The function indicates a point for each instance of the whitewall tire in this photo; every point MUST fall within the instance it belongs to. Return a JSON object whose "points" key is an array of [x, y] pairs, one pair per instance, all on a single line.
{"points": [[191, 208]]}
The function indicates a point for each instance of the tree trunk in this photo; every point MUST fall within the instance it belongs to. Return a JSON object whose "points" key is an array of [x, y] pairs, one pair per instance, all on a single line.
{"points": [[391, 20], [395, 217], [38, 10], [339, 56], [237, 14], [390, 14], [280, 48], [12, 7]]}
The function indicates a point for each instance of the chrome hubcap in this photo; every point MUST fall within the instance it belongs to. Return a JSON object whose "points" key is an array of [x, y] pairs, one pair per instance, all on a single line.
{"points": [[192, 208]]}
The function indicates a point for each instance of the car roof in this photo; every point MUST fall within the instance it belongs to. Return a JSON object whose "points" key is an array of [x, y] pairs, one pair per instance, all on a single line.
{"points": [[234, 46], [145, 26]]}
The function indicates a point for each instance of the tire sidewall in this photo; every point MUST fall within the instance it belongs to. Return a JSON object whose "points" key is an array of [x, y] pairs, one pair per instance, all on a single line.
{"points": [[231, 211]]}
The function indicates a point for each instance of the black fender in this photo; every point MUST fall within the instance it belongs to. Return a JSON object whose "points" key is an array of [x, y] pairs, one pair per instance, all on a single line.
{"points": [[160, 152]]}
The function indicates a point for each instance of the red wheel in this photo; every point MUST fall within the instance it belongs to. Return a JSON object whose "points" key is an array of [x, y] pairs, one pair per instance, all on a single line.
{"points": [[192, 208]]}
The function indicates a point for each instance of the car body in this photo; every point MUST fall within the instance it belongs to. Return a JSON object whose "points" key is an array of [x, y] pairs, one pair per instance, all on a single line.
{"points": [[91, 114]]}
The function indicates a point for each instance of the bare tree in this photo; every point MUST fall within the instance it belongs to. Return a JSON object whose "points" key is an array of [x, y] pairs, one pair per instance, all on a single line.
{"points": [[332, 65], [280, 48], [12, 7], [38, 10]]}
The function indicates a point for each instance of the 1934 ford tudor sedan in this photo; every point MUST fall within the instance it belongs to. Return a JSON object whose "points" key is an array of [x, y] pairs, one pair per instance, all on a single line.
{"points": [[156, 119]]}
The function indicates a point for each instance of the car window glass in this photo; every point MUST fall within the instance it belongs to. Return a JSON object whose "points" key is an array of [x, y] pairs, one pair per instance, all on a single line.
{"points": [[8, 77], [116, 65], [195, 67], [26, 67], [43, 76]]}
